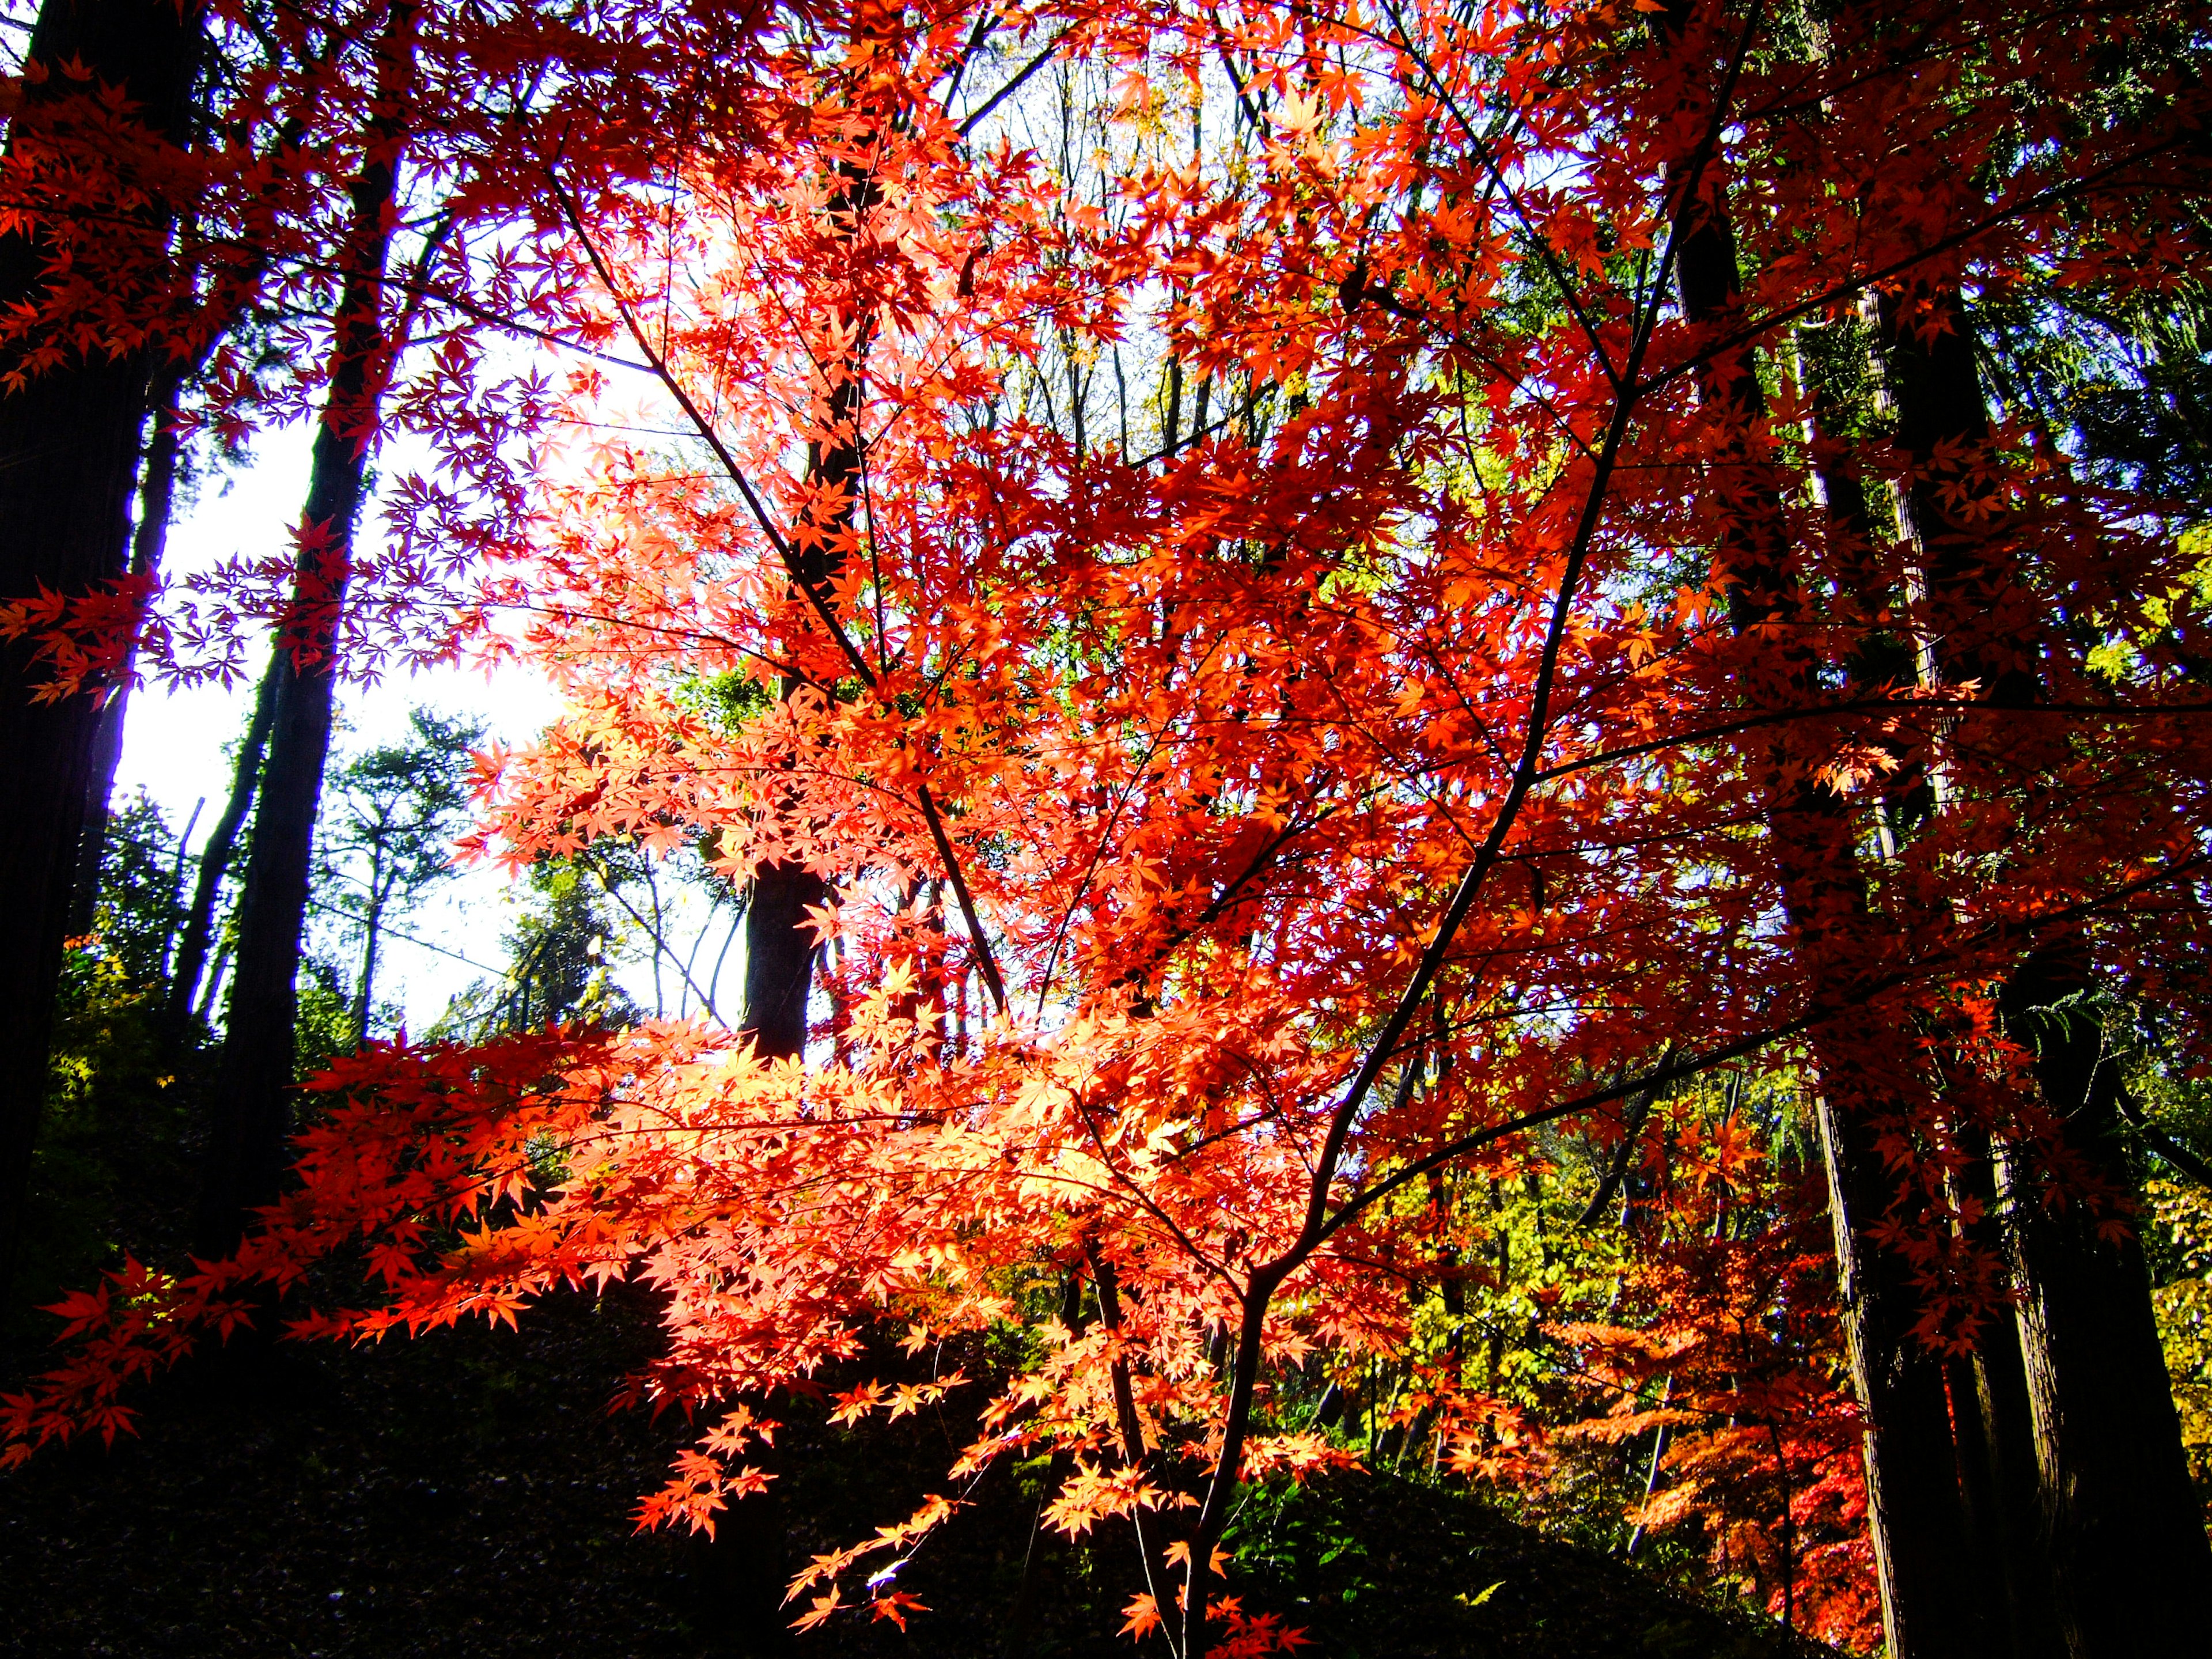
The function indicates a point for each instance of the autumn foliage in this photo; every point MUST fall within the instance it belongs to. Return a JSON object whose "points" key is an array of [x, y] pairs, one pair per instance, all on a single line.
{"points": [[1276, 715]]}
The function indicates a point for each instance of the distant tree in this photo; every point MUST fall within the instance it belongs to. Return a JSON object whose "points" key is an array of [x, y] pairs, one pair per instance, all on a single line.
{"points": [[560, 954], [326, 1024], [137, 905], [392, 814]]}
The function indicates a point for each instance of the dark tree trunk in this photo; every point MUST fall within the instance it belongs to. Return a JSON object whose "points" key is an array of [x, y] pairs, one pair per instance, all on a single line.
{"points": [[780, 955], [2128, 1563], [253, 1090], [216, 854], [1997, 1452], [69, 458], [750, 1562], [157, 488], [1915, 1511]]}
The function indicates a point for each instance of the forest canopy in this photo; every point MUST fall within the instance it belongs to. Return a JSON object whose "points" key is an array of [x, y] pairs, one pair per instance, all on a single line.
{"points": [[1448, 738]]}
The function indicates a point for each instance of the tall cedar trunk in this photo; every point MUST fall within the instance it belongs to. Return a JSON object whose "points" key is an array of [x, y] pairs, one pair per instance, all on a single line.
{"points": [[157, 488], [1914, 1508], [1997, 1452], [1987, 1389], [253, 1096], [215, 855], [2128, 1554], [69, 458], [2131, 1565]]}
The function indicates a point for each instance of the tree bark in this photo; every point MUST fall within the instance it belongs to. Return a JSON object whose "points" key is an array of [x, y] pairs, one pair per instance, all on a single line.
{"points": [[216, 854], [1915, 1512], [751, 1554], [253, 1096], [2128, 1558], [157, 488], [2130, 1565], [69, 458]]}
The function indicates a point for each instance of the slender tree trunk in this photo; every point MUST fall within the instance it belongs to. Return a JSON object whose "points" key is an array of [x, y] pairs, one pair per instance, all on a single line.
{"points": [[157, 487], [364, 993], [252, 1124], [2128, 1561], [216, 856], [69, 458], [1914, 1508]]}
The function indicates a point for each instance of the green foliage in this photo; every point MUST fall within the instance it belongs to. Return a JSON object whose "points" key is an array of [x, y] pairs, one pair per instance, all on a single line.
{"points": [[2125, 384], [140, 904], [2183, 1210], [2177, 1243], [324, 1026], [112, 1164], [561, 950]]}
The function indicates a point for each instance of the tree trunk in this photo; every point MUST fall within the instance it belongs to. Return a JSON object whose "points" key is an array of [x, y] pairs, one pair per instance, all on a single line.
{"points": [[780, 948], [750, 1562], [215, 855], [2128, 1558], [253, 1121], [1914, 1507], [157, 487], [1997, 1450], [363, 1004], [69, 458]]}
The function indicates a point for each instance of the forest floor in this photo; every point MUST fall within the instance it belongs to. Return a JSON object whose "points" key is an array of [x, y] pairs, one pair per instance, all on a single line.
{"points": [[468, 1493]]}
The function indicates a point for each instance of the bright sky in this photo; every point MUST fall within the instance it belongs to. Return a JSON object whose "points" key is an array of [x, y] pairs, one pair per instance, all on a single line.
{"points": [[173, 742]]}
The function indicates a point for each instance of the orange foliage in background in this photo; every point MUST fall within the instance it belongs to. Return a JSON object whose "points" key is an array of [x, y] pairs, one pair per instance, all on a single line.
{"points": [[1260, 809]]}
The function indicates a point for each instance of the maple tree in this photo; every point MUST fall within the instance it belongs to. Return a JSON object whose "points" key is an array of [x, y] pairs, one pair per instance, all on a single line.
{"points": [[1482, 690]]}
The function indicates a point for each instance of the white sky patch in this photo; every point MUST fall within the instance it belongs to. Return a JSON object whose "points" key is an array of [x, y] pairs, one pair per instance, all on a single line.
{"points": [[175, 739]]}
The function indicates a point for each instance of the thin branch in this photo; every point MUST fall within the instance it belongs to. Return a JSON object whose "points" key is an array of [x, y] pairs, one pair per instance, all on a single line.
{"points": [[1014, 86], [795, 567]]}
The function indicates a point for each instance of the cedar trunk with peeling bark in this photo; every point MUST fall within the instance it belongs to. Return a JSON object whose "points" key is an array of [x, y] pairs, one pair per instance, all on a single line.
{"points": [[2128, 1560], [157, 487], [251, 1127], [1915, 1511], [69, 458]]}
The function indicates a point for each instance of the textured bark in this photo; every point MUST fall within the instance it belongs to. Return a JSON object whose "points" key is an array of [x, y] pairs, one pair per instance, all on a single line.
{"points": [[1997, 1450], [69, 458], [1915, 1514], [2128, 1561], [2130, 1564], [252, 1098]]}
